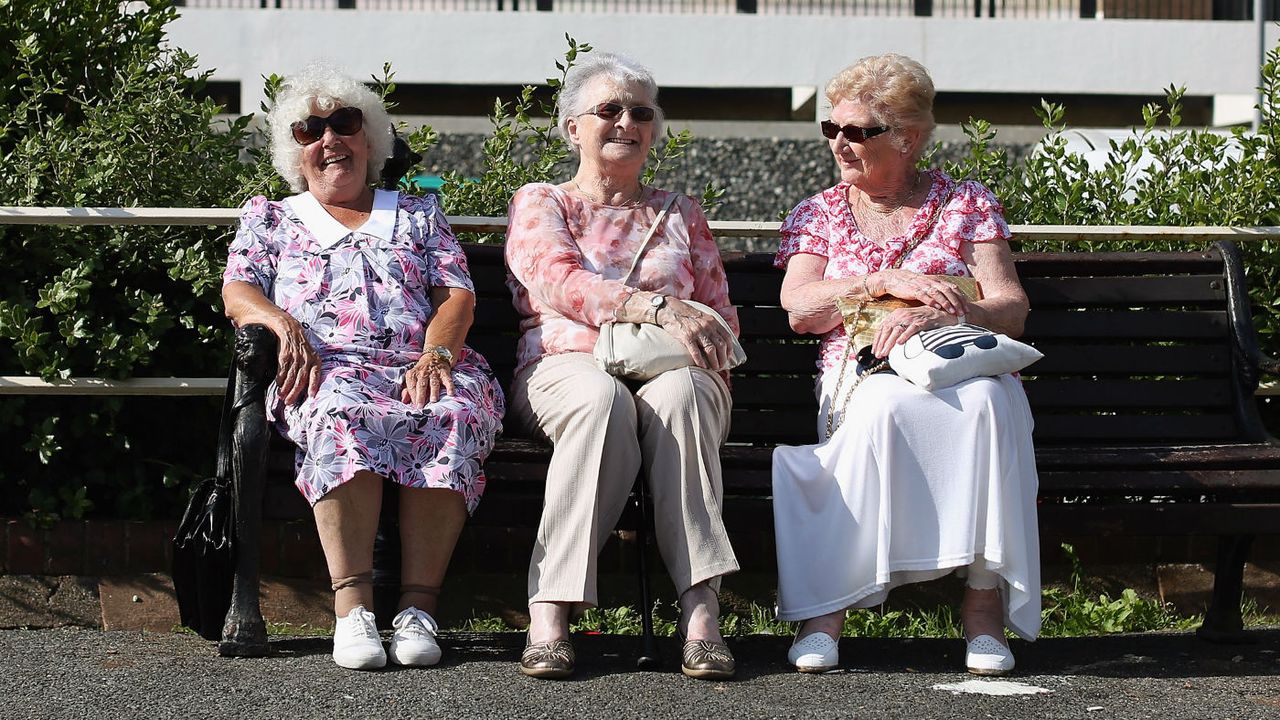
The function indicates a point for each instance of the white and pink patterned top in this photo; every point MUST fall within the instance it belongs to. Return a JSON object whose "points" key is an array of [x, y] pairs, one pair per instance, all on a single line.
{"points": [[824, 225], [567, 258]]}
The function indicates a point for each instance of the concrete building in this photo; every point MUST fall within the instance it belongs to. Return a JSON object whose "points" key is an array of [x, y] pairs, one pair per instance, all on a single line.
{"points": [[716, 62]]}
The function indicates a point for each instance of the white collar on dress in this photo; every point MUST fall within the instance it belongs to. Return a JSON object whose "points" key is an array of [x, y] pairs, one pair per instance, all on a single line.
{"points": [[328, 231]]}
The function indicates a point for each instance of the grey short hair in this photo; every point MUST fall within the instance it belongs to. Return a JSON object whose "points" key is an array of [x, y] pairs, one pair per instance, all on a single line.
{"points": [[896, 89], [622, 71], [325, 87]]}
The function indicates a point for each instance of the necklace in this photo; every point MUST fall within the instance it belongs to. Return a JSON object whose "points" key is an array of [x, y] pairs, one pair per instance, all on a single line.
{"points": [[862, 202], [640, 193]]}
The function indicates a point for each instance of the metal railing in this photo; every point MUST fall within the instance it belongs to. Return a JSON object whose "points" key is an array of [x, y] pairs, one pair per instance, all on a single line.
{"points": [[1028, 9], [181, 386]]}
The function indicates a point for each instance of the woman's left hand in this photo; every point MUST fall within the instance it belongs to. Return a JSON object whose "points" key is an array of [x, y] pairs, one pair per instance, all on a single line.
{"points": [[427, 381], [902, 323]]}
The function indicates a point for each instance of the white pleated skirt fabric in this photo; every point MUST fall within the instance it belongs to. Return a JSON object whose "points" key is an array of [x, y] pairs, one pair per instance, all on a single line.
{"points": [[913, 485]]}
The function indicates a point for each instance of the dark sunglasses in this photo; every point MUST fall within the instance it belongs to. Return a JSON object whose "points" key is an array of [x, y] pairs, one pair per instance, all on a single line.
{"points": [[344, 121], [610, 111], [852, 133]]}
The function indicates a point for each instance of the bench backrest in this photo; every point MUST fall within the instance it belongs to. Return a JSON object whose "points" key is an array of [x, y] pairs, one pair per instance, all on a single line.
{"points": [[1139, 348]]}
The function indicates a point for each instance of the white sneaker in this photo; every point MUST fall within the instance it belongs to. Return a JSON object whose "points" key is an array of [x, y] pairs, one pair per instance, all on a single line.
{"points": [[356, 645], [815, 652], [985, 655], [414, 640]]}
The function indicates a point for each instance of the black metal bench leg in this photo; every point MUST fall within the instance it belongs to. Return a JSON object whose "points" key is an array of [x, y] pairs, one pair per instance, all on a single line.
{"points": [[244, 634], [1223, 622], [649, 658]]}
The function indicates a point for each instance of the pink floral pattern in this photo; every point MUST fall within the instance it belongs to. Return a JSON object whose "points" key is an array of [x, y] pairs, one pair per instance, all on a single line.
{"points": [[364, 303], [824, 225], [567, 258]]}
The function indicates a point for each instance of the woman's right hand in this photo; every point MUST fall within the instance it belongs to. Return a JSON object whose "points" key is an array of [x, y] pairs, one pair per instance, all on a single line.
{"points": [[928, 290], [708, 342], [297, 365]]}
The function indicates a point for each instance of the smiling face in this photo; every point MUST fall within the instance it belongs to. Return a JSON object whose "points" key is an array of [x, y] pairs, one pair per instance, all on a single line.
{"points": [[336, 167], [875, 162], [613, 146]]}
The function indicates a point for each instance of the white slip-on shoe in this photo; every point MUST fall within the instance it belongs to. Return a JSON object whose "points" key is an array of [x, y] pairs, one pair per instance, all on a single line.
{"points": [[356, 645], [985, 655], [414, 639], [815, 652]]}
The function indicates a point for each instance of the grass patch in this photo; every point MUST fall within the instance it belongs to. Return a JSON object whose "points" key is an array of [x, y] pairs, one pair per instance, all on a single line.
{"points": [[1081, 608]]}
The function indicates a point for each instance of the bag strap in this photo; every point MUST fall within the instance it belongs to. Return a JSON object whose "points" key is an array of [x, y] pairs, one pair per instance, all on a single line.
{"points": [[851, 333], [644, 244], [225, 427]]}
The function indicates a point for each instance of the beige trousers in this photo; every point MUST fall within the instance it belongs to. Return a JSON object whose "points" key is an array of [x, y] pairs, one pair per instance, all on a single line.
{"points": [[603, 434]]}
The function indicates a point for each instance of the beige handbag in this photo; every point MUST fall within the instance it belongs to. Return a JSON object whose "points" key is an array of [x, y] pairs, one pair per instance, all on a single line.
{"points": [[642, 351]]}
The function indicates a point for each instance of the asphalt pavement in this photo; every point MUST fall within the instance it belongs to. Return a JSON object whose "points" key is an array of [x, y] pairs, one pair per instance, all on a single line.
{"points": [[86, 673]]}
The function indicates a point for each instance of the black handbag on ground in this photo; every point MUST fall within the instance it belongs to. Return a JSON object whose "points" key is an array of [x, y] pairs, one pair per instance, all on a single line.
{"points": [[204, 558]]}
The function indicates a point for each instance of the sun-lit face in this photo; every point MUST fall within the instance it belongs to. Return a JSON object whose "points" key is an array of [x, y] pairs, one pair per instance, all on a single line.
{"points": [[867, 164], [620, 144], [335, 166]]}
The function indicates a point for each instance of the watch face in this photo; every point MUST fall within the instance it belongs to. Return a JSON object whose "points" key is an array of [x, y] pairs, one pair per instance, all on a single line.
{"points": [[658, 301]]}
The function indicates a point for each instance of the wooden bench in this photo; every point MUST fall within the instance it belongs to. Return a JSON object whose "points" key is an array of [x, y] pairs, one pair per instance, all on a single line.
{"points": [[1146, 421]]}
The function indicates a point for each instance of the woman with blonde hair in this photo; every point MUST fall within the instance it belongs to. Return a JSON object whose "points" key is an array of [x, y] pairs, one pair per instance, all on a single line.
{"points": [[907, 484]]}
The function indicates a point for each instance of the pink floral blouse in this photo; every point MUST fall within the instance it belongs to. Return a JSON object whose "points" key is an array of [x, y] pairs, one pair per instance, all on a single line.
{"points": [[824, 225], [567, 258]]}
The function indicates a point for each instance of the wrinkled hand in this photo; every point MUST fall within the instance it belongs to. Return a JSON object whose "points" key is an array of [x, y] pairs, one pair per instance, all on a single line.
{"points": [[708, 343], [901, 324], [928, 290], [297, 365], [427, 381]]}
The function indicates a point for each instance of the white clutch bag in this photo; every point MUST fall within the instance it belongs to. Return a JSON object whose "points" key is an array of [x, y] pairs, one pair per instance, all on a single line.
{"points": [[947, 355], [641, 351]]}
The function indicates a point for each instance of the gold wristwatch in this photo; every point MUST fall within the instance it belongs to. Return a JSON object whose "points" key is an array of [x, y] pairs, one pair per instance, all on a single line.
{"points": [[441, 352]]}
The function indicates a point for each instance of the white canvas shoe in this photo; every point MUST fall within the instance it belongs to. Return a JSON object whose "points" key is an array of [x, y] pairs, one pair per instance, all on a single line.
{"points": [[815, 652], [414, 640], [985, 655], [356, 645]]}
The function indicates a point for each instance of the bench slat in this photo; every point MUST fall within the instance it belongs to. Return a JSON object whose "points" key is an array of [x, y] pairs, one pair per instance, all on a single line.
{"points": [[1048, 393], [1110, 264], [1129, 429], [1121, 324], [1079, 359], [1125, 291]]}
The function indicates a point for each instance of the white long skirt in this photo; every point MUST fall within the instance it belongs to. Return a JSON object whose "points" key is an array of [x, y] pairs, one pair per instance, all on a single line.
{"points": [[913, 485]]}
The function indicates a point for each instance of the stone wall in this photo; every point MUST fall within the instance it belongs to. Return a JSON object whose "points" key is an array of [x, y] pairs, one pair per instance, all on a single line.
{"points": [[763, 177]]}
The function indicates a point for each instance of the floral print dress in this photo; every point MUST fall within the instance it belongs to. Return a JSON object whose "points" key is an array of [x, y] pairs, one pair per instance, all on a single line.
{"points": [[362, 297]]}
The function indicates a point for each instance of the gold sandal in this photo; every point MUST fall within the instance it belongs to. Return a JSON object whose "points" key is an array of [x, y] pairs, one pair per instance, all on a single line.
{"points": [[549, 660], [707, 660]]}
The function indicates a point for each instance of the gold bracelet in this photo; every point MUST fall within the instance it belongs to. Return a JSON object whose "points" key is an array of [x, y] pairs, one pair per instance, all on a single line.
{"points": [[865, 290]]}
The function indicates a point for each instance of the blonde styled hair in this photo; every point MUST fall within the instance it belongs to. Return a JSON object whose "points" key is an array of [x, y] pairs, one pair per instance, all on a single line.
{"points": [[621, 71], [895, 89], [322, 86]]}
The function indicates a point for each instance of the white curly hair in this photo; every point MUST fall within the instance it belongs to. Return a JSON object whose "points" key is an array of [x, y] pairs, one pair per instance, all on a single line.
{"points": [[324, 87], [623, 72]]}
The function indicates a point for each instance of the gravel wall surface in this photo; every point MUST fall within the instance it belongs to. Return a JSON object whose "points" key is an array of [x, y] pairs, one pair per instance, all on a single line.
{"points": [[763, 177]]}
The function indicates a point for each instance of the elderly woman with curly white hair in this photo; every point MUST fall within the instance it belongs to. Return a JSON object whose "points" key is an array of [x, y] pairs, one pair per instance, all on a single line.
{"points": [[369, 296], [600, 248], [908, 484]]}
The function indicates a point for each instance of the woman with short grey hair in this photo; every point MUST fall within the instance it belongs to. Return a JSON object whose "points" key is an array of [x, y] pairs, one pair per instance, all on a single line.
{"points": [[570, 251], [369, 297]]}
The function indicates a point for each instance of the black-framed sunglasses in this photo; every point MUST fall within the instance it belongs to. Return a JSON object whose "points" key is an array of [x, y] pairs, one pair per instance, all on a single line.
{"points": [[344, 121], [852, 133], [611, 110]]}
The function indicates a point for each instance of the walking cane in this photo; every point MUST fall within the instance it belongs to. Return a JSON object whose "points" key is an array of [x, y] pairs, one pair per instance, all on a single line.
{"points": [[649, 658]]}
